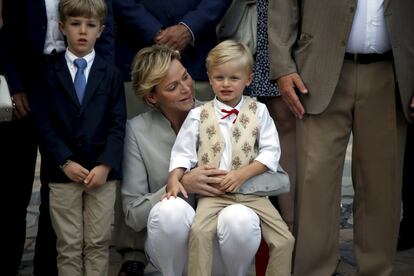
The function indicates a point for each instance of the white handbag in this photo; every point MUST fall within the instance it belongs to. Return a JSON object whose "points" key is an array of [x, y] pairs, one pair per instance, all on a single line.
{"points": [[6, 104], [240, 23]]}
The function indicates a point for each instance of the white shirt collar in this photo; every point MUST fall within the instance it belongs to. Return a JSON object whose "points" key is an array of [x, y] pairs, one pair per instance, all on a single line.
{"points": [[70, 57], [219, 105]]}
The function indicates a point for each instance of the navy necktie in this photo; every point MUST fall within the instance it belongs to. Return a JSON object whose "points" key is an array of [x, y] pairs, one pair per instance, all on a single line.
{"points": [[80, 79]]}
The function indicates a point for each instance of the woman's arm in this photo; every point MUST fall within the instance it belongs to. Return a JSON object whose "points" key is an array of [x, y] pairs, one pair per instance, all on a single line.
{"points": [[137, 199]]}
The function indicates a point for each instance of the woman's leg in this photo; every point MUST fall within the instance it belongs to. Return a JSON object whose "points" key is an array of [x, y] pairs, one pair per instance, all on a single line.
{"points": [[239, 235], [286, 127], [168, 228]]}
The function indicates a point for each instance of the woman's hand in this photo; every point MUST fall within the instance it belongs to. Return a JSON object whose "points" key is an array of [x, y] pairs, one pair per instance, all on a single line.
{"points": [[203, 180]]}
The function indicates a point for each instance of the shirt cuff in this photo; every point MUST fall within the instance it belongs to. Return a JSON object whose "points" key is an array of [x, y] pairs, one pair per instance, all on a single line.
{"points": [[268, 160], [180, 163], [191, 32]]}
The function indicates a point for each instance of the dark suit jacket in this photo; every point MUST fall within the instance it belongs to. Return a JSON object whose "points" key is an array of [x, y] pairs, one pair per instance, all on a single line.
{"points": [[310, 37], [138, 22], [27, 34], [91, 133]]}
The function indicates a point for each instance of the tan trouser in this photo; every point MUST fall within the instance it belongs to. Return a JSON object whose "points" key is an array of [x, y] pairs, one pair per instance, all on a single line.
{"points": [[364, 104], [82, 222], [274, 230]]}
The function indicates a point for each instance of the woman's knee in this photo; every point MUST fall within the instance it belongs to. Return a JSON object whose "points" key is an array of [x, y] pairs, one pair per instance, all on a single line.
{"points": [[238, 222], [171, 215]]}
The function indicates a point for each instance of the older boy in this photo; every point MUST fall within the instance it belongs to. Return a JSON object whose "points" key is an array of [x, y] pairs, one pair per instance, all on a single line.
{"points": [[80, 118], [236, 134]]}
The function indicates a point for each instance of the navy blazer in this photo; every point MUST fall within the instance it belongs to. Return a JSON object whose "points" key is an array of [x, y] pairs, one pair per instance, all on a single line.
{"points": [[138, 22], [27, 35], [90, 133]]}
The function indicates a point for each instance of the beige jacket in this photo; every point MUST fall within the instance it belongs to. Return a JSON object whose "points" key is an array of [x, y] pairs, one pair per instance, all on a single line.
{"points": [[310, 37]]}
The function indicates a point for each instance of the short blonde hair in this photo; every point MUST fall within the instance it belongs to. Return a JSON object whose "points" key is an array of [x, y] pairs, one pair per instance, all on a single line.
{"points": [[87, 8], [149, 67], [229, 50]]}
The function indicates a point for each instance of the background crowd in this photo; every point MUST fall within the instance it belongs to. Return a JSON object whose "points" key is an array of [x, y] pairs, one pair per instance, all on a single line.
{"points": [[320, 81]]}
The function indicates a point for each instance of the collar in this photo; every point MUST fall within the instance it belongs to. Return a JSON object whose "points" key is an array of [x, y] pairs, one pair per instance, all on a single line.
{"points": [[70, 57]]}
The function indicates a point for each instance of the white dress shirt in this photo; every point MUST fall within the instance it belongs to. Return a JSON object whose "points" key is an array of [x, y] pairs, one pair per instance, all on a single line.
{"points": [[54, 37], [369, 33], [184, 152], [70, 58]]}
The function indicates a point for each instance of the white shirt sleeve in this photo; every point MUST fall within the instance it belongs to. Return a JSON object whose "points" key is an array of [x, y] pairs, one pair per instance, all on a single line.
{"points": [[184, 151], [269, 145]]}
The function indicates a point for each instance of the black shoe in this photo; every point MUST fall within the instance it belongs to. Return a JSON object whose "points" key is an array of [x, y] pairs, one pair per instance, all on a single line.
{"points": [[405, 243], [132, 268]]}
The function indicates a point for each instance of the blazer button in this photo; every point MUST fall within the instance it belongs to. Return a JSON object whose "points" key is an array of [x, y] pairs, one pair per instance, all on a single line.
{"points": [[343, 42], [352, 9]]}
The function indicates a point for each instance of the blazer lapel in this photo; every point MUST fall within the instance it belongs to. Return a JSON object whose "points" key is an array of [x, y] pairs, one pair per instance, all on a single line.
{"points": [[95, 77], [65, 78]]}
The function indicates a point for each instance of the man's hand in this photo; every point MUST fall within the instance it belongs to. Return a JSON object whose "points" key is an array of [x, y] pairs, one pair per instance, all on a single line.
{"points": [[412, 108], [75, 172], [203, 180], [176, 37], [287, 85], [21, 103], [97, 176]]}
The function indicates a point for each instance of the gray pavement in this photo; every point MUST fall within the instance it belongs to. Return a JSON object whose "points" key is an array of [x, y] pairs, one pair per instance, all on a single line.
{"points": [[403, 265]]}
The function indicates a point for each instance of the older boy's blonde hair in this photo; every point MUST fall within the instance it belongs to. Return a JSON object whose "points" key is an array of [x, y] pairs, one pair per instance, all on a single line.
{"points": [[229, 50], [88, 8], [149, 67]]}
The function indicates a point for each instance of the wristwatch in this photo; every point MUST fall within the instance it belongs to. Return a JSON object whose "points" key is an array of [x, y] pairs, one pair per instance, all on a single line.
{"points": [[64, 164]]}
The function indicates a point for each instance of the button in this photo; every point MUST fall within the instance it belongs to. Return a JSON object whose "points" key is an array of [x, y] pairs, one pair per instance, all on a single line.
{"points": [[343, 42], [352, 9]]}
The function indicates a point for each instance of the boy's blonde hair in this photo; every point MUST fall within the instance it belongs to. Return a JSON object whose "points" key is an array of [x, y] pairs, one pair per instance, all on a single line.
{"points": [[87, 8], [229, 50], [149, 67]]}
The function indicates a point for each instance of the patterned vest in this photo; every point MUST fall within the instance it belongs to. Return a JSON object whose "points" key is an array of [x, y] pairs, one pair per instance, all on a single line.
{"points": [[244, 136]]}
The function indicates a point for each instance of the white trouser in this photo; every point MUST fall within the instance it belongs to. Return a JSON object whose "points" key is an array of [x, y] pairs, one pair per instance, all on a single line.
{"points": [[169, 223]]}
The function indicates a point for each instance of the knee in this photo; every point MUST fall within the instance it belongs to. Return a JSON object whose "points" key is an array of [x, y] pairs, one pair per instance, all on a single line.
{"points": [[171, 216], [239, 223]]}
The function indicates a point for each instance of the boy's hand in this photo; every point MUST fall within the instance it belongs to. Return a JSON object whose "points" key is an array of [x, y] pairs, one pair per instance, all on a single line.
{"points": [[174, 187], [75, 172], [232, 181], [97, 176]]}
